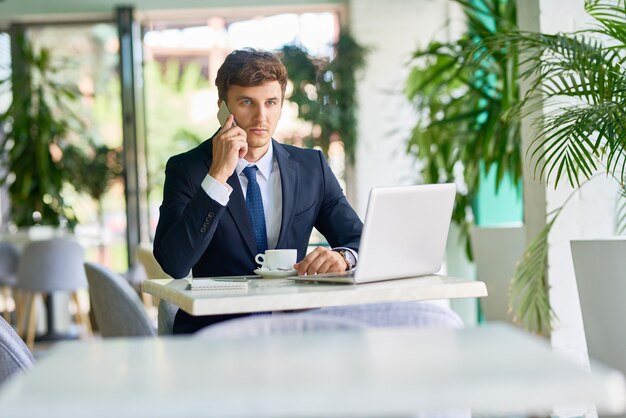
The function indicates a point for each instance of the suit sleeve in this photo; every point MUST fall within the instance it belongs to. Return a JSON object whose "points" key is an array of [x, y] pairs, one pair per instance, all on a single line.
{"points": [[187, 221], [337, 221]]}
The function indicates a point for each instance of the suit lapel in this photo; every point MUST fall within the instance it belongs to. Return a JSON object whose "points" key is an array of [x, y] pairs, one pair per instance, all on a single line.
{"points": [[289, 187], [238, 210]]}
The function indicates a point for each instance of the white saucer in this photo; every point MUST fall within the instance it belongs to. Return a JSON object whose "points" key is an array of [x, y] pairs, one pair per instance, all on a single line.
{"points": [[277, 273]]}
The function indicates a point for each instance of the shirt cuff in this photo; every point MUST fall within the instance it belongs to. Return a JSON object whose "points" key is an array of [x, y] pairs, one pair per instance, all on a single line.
{"points": [[216, 190], [351, 251]]}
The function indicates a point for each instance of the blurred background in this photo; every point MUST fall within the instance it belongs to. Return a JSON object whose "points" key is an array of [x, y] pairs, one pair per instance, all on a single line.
{"points": [[96, 96], [121, 130]]}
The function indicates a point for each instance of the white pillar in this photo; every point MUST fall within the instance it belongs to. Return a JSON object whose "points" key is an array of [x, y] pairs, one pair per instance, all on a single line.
{"points": [[392, 29]]}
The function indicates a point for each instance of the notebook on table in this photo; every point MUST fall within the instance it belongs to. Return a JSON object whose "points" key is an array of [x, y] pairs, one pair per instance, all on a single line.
{"points": [[404, 235], [219, 283]]}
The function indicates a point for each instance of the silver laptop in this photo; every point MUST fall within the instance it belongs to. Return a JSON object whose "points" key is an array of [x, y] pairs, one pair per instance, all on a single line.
{"points": [[405, 234]]}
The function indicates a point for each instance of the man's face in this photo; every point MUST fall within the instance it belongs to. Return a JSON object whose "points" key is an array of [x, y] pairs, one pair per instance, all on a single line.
{"points": [[256, 110]]}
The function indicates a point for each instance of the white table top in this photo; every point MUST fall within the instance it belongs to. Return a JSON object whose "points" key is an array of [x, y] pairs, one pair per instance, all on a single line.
{"points": [[380, 372], [284, 294]]}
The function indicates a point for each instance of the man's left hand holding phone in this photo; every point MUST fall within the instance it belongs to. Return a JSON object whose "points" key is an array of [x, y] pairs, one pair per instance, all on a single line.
{"points": [[229, 145]]}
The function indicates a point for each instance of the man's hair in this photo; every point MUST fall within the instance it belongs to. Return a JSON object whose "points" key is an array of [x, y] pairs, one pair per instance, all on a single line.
{"points": [[249, 67]]}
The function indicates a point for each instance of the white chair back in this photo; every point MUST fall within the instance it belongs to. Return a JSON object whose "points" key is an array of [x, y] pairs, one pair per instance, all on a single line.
{"points": [[278, 324], [600, 267], [397, 314], [52, 265]]}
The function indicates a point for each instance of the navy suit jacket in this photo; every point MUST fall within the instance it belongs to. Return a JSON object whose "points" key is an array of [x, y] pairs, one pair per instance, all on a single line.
{"points": [[197, 233]]}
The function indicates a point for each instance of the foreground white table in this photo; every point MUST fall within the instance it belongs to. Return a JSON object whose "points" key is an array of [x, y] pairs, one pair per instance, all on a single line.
{"points": [[284, 294], [381, 372]]}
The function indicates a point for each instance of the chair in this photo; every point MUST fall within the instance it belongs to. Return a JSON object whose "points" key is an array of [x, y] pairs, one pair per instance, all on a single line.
{"points": [[148, 262], [496, 252], [600, 268], [396, 314], [165, 317], [49, 266], [334, 320], [9, 256], [14, 354], [152, 270], [286, 323], [117, 307]]}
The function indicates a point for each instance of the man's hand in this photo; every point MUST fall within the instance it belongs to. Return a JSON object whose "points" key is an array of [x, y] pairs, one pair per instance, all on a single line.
{"points": [[229, 145], [321, 260]]}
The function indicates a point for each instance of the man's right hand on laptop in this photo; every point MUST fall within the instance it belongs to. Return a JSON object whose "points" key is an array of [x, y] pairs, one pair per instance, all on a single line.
{"points": [[321, 260]]}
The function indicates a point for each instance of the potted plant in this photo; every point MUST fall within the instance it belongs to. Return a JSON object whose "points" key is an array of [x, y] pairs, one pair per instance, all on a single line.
{"points": [[325, 92], [461, 80], [93, 169], [35, 129], [460, 100], [585, 134]]}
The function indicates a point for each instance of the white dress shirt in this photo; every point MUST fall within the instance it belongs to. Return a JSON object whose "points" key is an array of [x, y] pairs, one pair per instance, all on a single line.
{"points": [[268, 177]]}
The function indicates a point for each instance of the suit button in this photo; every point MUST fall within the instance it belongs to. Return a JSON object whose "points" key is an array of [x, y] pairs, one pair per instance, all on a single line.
{"points": [[203, 229], [209, 216]]}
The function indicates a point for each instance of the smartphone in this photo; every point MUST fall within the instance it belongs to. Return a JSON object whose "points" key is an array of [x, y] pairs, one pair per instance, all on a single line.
{"points": [[223, 113]]}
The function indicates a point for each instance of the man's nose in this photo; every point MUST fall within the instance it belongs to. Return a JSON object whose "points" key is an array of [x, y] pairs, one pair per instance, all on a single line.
{"points": [[260, 114]]}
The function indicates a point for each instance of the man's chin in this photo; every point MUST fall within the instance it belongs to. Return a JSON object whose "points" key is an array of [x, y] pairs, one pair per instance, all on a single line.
{"points": [[258, 142]]}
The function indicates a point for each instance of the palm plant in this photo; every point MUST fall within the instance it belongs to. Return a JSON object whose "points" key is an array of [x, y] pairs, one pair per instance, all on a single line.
{"points": [[582, 77], [105, 166], [325, 92], [36, 127], [460, 95]]}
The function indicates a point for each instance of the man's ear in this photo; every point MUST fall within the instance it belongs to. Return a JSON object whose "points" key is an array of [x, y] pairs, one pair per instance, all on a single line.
{"points": [[219, 103]]}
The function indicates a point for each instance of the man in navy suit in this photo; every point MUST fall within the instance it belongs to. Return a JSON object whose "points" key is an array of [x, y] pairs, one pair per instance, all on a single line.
{"points": [[215, 217]]}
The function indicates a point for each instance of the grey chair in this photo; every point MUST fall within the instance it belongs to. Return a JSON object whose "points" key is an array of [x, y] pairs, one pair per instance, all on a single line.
{"points": [[48, 266], [117, 307], [165, 319], [287, 323], [9, 257], [14, 354], [397, 314]]}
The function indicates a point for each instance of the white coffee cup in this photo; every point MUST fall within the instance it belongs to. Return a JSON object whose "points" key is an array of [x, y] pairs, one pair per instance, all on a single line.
{"points": [[274, 260]]}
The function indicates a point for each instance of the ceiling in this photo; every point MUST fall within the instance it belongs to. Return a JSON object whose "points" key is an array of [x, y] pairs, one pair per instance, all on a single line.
{"points": [[67, 10]]}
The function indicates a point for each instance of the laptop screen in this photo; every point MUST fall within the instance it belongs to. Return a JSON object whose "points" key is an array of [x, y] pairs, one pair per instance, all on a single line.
{"points": [[405, 231]]}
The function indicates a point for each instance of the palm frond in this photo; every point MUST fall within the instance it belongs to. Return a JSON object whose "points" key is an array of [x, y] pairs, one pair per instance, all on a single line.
{"points": [[560, 68], [529, 289], [567, 137], [610, 18]]}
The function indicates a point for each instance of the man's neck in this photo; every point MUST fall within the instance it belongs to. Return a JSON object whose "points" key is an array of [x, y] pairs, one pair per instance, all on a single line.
{"points": [[255, 154]]}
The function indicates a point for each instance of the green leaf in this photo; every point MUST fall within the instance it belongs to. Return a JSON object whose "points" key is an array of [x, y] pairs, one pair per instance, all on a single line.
{"points": [[529, 300]]}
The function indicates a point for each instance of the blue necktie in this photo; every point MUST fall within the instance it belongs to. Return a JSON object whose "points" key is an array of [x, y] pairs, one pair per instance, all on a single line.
{"points": [[254, 202]]}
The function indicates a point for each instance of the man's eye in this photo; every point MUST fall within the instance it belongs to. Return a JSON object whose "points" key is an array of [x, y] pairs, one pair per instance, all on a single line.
{"points": [[246, 102], [271, 102]]}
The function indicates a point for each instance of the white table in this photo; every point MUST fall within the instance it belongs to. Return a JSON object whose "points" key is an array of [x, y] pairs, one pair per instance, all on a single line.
{"points": [[380, 372], [284, 294]]}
